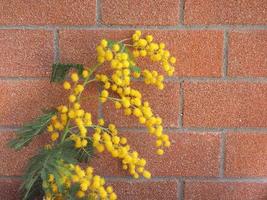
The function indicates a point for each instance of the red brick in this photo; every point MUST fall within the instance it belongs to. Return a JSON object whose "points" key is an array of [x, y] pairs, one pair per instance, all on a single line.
{"points": [[149, 12], [246, 154], [225, 12], [247, 53], [205, 190], [187, 156], [14, 162], [164, 103], [9, 189], [225, 104], [199, 53], [51, 12], [26, 52], [22, 100], [152, 189]]}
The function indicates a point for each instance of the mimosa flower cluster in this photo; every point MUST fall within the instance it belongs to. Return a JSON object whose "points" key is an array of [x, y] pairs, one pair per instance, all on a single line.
{"points": [[72, 123]]}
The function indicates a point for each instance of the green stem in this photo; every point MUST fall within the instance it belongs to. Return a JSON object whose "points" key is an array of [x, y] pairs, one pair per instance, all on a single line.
{"points": [[86, 81], [66, 130]]}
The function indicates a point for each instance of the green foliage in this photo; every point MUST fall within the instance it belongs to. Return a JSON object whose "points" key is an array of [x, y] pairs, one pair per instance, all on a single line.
{"points": [[60, 71], [73, 190], [49, 161], [86, 153], [135, 69], [29, 131]]}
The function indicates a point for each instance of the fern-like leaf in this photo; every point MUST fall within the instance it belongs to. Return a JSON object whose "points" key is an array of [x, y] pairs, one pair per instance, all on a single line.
{"points": [[60, 71], [25, 134], [86, 153], [48, 161]]}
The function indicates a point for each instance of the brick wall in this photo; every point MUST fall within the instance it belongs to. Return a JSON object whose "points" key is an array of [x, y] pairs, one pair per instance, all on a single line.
{"points": [[215, 107]]}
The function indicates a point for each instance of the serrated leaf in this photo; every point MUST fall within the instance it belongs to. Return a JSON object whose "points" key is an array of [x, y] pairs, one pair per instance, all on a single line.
{"points": [[60, 71], [25, 134]]}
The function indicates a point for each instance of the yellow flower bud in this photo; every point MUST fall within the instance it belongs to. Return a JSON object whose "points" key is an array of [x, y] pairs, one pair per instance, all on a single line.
{"points": [[66, 85], [74, 77]]}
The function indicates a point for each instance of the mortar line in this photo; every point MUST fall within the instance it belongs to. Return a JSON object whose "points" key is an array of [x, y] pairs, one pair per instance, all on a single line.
{"points": [[7, 129], [225, 54], [11, 177], [213, 79], [141, 179], [193, 178], [133, 27], [56, 46], [222, 154], [181, 11], [100, 104], [181, 105], [171, 129], [201, 130], [181, 189], [228, 179], [24, 78], [98, 12], [172, 178], [167, 79]]}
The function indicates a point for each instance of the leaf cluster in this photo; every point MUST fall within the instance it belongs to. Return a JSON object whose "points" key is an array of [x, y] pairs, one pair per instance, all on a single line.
{"points": [[48, 161], [60, 71], [25, 134]]}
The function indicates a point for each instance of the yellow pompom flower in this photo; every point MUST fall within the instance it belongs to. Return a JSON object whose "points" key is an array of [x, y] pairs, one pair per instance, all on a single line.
{"points": [[108, 55], [50, 128], [85, 73], [160, 152], [54, 136], [147, 174], [116, 47], [80, 194], [74, 77], [72, 98], [66, 85], [104, 43]]}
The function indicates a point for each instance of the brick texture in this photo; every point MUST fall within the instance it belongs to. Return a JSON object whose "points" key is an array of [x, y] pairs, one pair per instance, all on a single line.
{"points": [[19, 158], [247, 54], [135, 190], [26, 52], [151, 12], [201, 190], [225, 104], [214, 108], [9, 189], [188, 155], [246, 155], [26, 98], [225, 12], [199, 53], [50, 12]]}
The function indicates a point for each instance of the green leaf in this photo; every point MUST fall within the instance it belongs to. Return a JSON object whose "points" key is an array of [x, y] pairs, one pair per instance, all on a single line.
{"points": [[86, 153], [48, 161], [60, 71], [111, 43], [73, 190], [135, 69], [25, 134], [129, 52]]}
